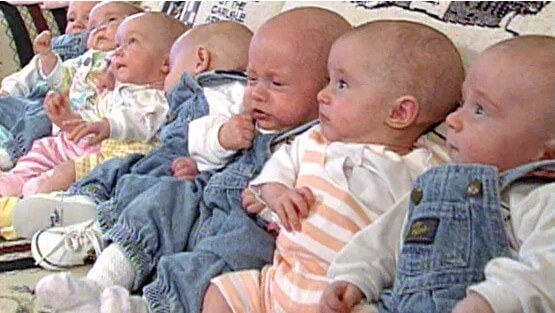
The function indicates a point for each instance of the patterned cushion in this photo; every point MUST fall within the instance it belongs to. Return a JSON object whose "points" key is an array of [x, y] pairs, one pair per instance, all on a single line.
{"points": [[19, 25]]}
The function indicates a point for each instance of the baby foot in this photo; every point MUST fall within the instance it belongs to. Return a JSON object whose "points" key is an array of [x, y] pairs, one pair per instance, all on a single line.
{"points": [[116, 299], [62, 292]]}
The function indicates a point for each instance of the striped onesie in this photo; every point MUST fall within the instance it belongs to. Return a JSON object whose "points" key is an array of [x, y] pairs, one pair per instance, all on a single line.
{"points": [[353, 184]]}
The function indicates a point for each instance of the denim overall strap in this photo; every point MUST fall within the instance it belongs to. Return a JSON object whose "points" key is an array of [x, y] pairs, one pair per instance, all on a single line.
{"points": [[218, 77], [454, 227], [294, 132], [510, 176]]}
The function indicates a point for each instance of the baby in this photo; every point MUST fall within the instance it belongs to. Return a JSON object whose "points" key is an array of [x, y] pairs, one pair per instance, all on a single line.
{"points": [[22, 93], [21, 83], [204, 217], [78, 76], [216, 56], [130, 115], [475, 235], [347, 171], [131, 64]]}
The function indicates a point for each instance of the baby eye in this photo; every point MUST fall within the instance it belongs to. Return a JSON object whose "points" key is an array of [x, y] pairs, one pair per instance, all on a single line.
{"points": [[277, 84], [131, 41], [478, 109], [251, 80], [341, 84], [71, 19]]}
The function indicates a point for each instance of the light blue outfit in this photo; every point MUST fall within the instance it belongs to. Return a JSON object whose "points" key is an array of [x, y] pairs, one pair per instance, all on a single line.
{"points": [[190, 232], [22, 119], [454, 227], [187, 102]]}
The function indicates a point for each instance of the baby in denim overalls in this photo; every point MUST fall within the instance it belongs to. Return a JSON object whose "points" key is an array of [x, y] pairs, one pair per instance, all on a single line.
{"points": [[343, 174], [187, 232], [22, 119], [206, 76], [475, 235]]}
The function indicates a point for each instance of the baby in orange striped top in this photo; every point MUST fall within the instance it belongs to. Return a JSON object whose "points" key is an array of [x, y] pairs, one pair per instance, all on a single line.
{"points": [[390, 82]]}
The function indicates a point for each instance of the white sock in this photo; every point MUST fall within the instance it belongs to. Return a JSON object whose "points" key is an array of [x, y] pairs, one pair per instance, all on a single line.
{"points": [[63, 292], [112, 268], [117, 299], [5, 160]]}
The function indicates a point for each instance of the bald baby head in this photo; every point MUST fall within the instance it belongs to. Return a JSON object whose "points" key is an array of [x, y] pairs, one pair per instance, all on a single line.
{"points": [[415, 60]]}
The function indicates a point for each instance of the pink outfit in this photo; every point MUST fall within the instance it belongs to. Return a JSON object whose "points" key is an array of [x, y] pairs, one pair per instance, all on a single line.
{"points": [[45, 154]]}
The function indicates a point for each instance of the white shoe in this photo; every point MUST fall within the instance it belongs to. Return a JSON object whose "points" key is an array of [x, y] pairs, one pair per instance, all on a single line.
{"points": [[60, 248], [50, 210], [5, 160]]}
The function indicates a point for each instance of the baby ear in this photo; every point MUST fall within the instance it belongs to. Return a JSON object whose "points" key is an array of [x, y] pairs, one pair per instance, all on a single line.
{"points": [[203, 58], [403, 113], [165, 69], [549, 153]]}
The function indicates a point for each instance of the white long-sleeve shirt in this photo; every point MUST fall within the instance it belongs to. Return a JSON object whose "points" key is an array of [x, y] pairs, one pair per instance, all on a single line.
{"points": [[525, 283], [204, 147], [134, 112], [21, 82]]}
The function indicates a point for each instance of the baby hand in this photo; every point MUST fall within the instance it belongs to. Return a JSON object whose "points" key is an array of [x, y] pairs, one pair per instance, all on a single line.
{"points": [[292, 206], [472, 303], [81, 128], [238, 132], [184, 168], [340, 297], [251, 202], [42, 43], [57, 109], [4, 93], [106, 80]]}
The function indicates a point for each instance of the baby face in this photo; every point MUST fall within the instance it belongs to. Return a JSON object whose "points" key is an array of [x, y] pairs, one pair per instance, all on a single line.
{"points": [[103, 23], [281, 88], [495, 124], [137, 59], [78, 16], [354, 105]]}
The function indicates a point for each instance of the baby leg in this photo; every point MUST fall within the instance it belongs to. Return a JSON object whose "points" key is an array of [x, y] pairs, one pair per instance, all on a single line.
{"points": [[61, 179], [61, 292], [214, 301]]}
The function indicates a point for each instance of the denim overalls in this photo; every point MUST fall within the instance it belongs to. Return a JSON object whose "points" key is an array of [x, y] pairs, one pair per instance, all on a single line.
{"points": [[187, 102], [190, 232], [454, 228], [70, 46], [24, 117]]}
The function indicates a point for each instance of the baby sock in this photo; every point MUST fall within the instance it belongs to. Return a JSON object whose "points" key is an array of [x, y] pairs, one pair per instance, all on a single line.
{"points": [[117, 299], [63, 292], [33, 184], [112, 268]]}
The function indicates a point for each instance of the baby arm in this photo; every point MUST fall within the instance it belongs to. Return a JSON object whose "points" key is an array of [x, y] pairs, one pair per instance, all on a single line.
{"points": [[340, 297], [290, 204], [184, 168], [524, 283], [213, 150], [81, 128], [368, 260], [57, 109], [238, 132], [43, 47]]}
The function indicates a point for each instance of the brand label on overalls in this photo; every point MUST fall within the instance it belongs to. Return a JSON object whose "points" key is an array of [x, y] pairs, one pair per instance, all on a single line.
{"points": [[422, 230]]}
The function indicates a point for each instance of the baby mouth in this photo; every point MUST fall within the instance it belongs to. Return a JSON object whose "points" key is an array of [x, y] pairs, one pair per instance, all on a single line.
{"points": [[259, 115]]}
